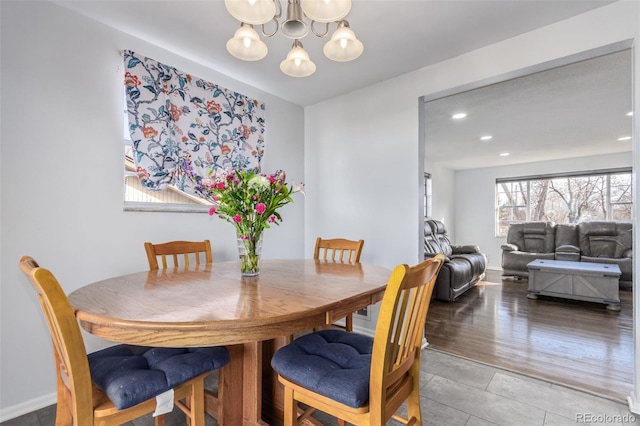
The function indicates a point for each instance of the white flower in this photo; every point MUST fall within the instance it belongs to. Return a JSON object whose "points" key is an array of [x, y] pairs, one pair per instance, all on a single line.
{"points": [[297, 187], [259, 181]]}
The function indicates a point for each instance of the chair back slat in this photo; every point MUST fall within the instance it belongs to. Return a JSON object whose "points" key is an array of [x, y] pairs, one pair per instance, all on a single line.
{"points": [[338, 250], [181, 253], [72, 366]]}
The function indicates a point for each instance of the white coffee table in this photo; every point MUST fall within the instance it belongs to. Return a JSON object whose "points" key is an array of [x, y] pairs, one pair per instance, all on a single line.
{"points": [[592, 282]]}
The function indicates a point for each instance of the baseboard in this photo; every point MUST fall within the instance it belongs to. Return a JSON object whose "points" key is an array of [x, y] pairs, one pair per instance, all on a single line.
{"points": [[363, 330], [26, 407], [634, 403]]}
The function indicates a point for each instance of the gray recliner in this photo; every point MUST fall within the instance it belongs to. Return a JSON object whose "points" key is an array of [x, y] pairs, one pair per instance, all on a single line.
{"points": [[608, 242], [527, 242], [464, 265]]}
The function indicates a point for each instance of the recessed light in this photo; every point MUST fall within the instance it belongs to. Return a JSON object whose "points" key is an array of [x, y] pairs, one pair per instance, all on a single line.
{"points": [[625, 138], [504, 154], [486, 138], [459, 115], [629, 114]]}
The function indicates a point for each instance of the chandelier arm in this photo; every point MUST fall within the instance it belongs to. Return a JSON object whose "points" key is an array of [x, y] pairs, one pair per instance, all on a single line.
{"points": [[264, 33], [326, 29], [278, 14]]}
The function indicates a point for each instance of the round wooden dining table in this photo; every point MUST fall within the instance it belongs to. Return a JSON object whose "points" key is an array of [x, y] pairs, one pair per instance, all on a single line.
{"points": [[213, 305]]}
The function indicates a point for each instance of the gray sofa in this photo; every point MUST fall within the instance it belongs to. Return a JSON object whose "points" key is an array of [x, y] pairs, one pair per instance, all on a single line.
{"points": [[597, 242], [464, 265]]}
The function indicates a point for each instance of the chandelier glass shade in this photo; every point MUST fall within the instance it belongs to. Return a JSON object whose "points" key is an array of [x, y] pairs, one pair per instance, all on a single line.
{"points": [[297, 63], [247, 46], [343, 46]]}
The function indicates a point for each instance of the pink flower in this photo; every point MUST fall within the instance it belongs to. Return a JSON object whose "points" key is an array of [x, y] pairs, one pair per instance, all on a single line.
{"points": [[261, 208], [212, 211], [220, 186], [237, 218], [244, 237], [272, 219]]}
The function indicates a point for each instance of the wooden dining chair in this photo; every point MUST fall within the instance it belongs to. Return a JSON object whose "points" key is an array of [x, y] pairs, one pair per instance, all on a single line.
{"points": [[120, 383], [197, 251], [356, 378], [182, 253], [339, 250]]}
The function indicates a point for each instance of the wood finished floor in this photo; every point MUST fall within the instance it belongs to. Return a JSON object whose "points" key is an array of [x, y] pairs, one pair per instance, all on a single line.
{"points": [[578, 344]]}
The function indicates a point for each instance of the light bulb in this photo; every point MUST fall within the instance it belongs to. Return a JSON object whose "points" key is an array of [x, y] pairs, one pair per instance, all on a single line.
{"points": [[247, 42], [297, 61], [343, 43]]}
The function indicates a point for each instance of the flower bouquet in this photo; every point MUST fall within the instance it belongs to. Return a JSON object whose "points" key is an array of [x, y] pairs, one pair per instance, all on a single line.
{"points": [[250, 201]]}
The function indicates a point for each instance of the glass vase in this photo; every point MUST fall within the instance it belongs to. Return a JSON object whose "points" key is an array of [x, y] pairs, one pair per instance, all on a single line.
{"points": [[249, 248]]}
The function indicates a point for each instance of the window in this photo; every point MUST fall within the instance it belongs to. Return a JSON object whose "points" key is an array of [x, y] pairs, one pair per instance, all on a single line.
{"points": [[137, 198], [564, 198]]}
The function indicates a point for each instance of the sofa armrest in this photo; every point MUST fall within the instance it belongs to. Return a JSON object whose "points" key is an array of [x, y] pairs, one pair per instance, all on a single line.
{"points": [[567, 252], [628, 253], [430, 255], [467, 249], [510, 247], [567, 248]]}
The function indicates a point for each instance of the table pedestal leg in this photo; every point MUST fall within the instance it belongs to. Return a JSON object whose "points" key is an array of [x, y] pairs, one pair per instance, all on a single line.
{"points": [[273, 395]]}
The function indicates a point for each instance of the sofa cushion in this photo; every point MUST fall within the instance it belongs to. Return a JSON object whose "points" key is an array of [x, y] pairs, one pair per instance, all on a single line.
{"points": [[566, 235], [440, 234], [431, 242], [604, 239], [477, 262], [533, 237]]}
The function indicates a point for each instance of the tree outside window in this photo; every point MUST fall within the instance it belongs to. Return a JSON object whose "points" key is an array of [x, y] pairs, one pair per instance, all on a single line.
{"points": [[564, 199]]}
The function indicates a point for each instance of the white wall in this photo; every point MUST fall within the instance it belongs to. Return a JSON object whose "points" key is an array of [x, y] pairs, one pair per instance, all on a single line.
{"points": [[364, 175], [62, 178], [443, 190], [475, 194]]}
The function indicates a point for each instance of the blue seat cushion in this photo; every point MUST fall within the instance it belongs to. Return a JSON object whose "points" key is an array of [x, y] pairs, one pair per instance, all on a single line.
{"points": [[130, 375], [333, 363]]}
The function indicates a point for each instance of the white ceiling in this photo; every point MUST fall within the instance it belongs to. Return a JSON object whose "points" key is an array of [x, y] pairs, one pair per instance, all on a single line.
{"points": [[399, 36], [571, 111]]}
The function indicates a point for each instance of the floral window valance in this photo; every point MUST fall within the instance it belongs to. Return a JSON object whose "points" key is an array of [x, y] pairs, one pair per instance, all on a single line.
{"points": [[175, 117]]}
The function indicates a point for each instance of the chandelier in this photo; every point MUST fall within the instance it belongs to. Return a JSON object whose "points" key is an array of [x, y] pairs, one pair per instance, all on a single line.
{"points": [[247, 46]]}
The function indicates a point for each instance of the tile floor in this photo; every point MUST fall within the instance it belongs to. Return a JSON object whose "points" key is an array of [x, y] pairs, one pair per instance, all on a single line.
{"points": [[459, 392]]}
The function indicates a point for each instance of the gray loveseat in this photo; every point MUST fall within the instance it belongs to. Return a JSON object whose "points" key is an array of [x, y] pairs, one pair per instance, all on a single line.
{"points": [[597, 242], [464, 265]]}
